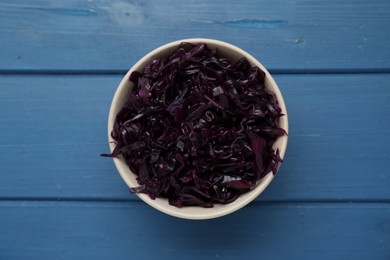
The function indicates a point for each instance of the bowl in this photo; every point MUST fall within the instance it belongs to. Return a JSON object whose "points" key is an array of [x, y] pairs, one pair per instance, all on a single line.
{"points": [[194, 212]]}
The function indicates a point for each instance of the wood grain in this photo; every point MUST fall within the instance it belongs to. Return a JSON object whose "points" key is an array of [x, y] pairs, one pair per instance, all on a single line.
{"points": [[60, 63], [54, 128], [103, 35], [42, 230]]}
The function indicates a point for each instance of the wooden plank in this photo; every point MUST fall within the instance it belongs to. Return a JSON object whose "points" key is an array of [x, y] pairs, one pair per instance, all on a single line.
{"points": [[42, 230], [54, 128], [113, 35]]}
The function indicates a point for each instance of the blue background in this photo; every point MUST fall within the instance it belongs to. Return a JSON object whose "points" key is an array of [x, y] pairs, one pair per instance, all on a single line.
{"points": [[60, 64]]}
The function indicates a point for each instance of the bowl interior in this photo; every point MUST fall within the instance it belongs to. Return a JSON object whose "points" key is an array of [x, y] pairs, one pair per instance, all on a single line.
{"points": [[225, 50]]}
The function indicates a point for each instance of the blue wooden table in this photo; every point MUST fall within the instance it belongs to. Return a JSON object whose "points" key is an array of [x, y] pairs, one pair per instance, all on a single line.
{"points": [[60, 64]]}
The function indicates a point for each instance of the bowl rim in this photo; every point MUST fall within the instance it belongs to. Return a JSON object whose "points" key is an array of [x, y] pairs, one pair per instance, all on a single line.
{"points": [[219, 209]]}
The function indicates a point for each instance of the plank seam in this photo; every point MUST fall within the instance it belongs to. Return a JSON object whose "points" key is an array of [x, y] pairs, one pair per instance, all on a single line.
{"points": [[305, 201], [122, 72]]}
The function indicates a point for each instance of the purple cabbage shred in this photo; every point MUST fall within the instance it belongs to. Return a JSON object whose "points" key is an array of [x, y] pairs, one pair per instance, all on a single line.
{"points": [[198, 128]]}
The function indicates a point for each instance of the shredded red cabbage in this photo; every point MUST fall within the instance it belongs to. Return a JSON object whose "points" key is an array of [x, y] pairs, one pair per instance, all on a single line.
{"points": [[198, 128]]}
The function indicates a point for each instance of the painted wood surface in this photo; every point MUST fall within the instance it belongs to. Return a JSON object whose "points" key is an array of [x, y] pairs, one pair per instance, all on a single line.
{"points": [[106, 35], [60, 63], [54, 128], [48, 230]]}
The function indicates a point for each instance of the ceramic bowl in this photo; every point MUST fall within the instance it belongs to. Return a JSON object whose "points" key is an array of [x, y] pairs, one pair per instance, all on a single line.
{"points": [[194, 212]]}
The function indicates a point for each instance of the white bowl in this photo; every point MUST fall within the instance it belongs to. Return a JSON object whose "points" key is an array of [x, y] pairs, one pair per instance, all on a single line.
{"points": [[161, 204]]}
